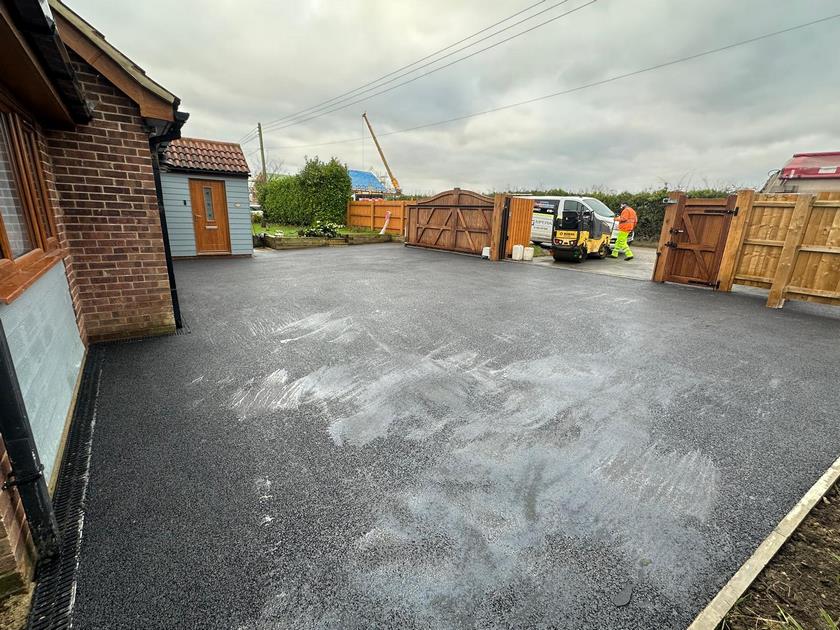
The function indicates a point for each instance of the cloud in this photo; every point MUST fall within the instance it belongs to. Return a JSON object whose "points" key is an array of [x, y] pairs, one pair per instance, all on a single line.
{"points": [[725, 118]]}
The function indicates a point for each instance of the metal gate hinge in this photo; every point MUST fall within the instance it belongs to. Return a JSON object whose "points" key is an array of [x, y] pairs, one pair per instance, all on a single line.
{"points": [[671, 244], [677, 231], [13, 480], [733, 212]]}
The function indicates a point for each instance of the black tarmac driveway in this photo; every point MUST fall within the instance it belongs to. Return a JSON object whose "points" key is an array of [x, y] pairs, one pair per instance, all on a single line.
{"points": [[381, 437]]}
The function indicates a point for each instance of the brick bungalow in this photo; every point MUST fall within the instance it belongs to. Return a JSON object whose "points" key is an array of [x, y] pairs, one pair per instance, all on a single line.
{"points": [[83, 257]]}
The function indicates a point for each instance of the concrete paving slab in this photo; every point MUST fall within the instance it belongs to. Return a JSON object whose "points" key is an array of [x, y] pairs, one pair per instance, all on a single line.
{"points": [[398, 438], [639, 268]]}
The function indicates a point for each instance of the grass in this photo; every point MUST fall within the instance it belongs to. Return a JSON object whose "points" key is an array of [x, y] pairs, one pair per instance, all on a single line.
{"points": [[292, 230], [784, 620]]}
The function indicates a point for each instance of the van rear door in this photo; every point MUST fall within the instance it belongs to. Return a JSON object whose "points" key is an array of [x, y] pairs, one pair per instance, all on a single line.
{"points": [[542, 221]]}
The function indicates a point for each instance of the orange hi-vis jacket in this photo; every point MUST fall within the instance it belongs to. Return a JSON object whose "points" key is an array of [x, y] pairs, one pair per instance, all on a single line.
{"points": [[627, 220]]}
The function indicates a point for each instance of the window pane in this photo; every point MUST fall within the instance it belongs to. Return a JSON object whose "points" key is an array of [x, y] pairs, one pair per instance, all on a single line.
{"points": [[32, 159], [600, 209], [11, 208], [208, 203]]}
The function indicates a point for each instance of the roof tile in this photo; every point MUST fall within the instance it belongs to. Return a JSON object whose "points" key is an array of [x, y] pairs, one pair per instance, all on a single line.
{"points": [[194, 154]]}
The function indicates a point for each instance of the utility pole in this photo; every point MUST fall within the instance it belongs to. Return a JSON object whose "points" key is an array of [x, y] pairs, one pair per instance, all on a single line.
{"points": [[262, 151], [264, 222]]}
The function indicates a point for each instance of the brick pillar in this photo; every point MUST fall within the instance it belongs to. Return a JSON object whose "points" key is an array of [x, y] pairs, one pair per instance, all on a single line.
{"points": [[17, 554]]}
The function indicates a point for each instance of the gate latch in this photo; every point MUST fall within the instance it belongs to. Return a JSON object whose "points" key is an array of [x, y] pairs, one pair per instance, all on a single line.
{"points": [[671, 244]]}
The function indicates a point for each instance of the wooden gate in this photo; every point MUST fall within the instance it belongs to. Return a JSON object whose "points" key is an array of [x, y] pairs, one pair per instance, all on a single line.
{"points": [[456, 220], [521, 211], [693, 239]]}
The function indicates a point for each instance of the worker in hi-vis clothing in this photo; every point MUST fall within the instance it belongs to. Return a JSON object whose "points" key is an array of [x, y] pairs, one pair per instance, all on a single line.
{"points": [[626, 223]]}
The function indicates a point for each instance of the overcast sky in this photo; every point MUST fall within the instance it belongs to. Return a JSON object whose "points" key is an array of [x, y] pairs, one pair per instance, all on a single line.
{"points": [[725, 119]]}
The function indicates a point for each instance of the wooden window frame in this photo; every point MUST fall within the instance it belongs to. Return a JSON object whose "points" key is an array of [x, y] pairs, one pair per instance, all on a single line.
{"points": [[20, 137]]}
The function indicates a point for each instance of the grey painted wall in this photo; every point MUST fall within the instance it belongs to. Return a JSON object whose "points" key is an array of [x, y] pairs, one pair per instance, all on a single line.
{"points": [[179, 222], [47, 352]]}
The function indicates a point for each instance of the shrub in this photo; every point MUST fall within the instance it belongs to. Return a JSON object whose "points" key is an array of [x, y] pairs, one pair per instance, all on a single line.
{"points": [[318, 193], [321, 229], [326, 188], [283, 201]]}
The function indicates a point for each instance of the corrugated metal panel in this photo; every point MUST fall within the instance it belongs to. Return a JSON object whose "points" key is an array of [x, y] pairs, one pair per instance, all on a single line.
{"points": [[47, 352], [176, 201]]}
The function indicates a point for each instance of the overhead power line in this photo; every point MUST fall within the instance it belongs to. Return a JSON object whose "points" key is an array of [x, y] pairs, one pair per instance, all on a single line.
{"points": [[422, 59], [341, 106], [253, 133], [578, 88]]}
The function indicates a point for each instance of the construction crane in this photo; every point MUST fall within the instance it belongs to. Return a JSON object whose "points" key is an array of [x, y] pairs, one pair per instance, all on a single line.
{"points": [[394, 181]]}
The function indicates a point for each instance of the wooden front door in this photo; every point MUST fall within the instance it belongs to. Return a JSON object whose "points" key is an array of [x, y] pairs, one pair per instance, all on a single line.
{"points": [[210, 219], [697, 240]]}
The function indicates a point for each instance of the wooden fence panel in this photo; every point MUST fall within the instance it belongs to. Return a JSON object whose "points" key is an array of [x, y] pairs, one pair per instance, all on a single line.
{"points": [[815, 270], [519, 223], [371, 213], [787, 243], [765, 231]]}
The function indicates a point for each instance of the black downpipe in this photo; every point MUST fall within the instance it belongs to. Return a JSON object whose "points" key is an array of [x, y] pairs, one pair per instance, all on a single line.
{"points": [[27, 470], [170, 269], [159, 136]]}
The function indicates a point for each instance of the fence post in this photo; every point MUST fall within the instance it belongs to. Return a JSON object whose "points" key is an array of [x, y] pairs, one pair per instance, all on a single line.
{"points": [[409, 225], [735, 240], [676, 199], [787, 260]]}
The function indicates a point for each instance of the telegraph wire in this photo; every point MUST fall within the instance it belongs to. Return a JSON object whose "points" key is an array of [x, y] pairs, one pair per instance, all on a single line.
{"points": [[429, 56], [339, 107], [578, 88], [360, 89]]}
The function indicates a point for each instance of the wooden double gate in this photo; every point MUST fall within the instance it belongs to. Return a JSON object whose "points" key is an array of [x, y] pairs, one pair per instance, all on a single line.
{"points": [[786, 243], [465, 221]]}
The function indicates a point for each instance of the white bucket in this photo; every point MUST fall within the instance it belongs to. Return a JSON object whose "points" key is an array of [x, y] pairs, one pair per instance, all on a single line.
{"points": [[528, 254], [518, 252], [485, 253]]}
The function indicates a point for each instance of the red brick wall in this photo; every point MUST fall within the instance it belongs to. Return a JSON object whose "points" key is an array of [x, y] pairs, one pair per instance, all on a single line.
{"points": [[107, 215], [61, 227], [16, 551]]}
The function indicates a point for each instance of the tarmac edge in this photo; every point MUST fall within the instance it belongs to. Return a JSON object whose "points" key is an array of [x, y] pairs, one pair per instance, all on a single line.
{"points": [[733, 590]]}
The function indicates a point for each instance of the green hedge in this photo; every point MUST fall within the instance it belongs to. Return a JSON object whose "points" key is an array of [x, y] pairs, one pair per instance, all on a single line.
{"points": [[282, 201], [318, 193], [648, 205]]}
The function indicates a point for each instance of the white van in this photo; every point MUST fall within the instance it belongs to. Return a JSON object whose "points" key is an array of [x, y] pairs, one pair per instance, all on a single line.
{"points": [[545, 213]]}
